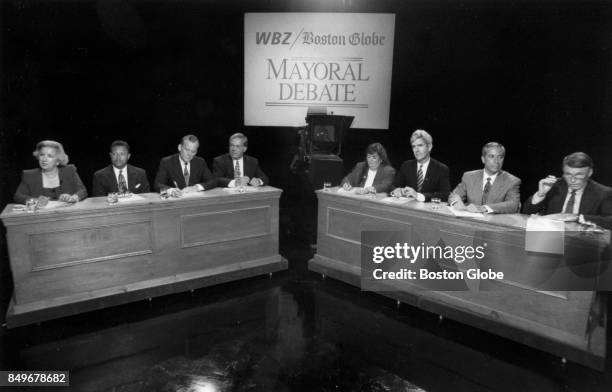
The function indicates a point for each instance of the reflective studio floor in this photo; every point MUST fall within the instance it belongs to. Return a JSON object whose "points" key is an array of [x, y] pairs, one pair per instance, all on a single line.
{"points": [[292, 332]]}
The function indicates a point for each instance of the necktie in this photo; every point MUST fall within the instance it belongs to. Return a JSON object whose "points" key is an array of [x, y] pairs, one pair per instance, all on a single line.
{"points": [[485, 191], [569, 208], [186, 175], [121, 182], [237, 173], [420, 178]]}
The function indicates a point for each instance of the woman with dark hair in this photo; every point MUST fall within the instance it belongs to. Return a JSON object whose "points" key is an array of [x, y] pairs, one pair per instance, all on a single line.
{"points": [[54, 180], [375, 173]]}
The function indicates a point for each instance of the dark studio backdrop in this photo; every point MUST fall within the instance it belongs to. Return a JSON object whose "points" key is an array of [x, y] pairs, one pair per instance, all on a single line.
{"points": [[533, 75]]}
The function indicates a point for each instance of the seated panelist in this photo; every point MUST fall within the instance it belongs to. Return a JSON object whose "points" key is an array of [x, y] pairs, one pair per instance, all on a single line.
{"points": [[488, 190], [184, 172], [54, 180], [375, 174], [236, 169], [119, 176], [423, 177], [574, 196]]}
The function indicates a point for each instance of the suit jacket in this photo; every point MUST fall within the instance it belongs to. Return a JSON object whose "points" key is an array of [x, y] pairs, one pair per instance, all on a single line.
{"points": [[223, 169], [170, 171], [105, 181], [435, 183], [504, 196], [595, 204], [382, 181], [32, 183]]}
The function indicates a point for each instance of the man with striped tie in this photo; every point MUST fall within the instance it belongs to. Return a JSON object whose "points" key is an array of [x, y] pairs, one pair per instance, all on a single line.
{"points": [[577, 197], [236, 169], [422, 178], [489, 190], [119, 176]]}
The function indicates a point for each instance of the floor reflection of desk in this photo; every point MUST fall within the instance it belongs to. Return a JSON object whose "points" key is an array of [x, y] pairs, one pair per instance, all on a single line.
{"points": [[556, 322], [93, 255], [167, 349]]}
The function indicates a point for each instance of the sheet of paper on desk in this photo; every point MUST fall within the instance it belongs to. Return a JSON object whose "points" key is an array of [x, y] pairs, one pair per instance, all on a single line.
{"points": [[396, 200], [246, 189], [544, 235], [53, 204], [130, 199], [466, 214], [192, 195]]}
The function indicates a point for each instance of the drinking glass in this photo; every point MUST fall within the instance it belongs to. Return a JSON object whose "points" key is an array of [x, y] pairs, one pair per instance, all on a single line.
{"points": [[112, 198], [31, 205], [435, 203]]}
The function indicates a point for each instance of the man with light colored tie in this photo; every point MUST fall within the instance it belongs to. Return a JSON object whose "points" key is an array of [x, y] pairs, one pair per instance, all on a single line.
{"points": [[184, 172], [119, 176], [235, 169], [422, 178], [577, 197], [489, 190]]}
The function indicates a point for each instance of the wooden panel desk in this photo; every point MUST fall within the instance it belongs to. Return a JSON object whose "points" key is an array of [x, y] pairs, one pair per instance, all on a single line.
{"points": [[571, 324], [92, 255]]}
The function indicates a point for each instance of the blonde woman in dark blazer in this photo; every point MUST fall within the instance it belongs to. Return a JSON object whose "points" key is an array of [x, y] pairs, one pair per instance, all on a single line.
{"points": [[55, 179], [374, 173]]}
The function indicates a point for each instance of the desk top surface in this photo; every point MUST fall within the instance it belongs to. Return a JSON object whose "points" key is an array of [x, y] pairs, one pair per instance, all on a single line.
{"points": [[511, 221], [142, 200]]}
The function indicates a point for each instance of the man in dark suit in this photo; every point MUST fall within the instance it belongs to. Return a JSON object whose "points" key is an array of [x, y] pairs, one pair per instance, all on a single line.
{"points": [[488, 190], [119, 176], [236, 169], [422, 178], [184, 172], [577, 197]]}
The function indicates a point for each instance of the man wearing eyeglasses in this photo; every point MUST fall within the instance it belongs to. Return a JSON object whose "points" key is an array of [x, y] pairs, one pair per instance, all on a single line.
{"points": [[577, 197]]}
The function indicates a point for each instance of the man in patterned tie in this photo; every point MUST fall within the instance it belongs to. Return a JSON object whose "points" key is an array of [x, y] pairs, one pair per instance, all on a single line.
{"points": [[184, 172], [422, 178], [119, 176], [236, 169], [489, 190], [577, 197]]}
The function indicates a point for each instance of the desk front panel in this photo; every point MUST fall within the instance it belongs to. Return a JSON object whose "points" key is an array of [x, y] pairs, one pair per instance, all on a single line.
{"points": [[95, 250], [515, 305]]}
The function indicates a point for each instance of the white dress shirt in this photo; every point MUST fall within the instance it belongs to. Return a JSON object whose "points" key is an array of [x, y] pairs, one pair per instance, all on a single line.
{"points": [[198, 186], [232, 183], [577, 199], [370, 179], [124, 172], [424, 166], [484, 183]]}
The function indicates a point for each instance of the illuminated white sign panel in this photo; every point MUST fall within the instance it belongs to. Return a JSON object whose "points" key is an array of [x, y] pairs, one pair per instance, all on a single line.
{"points": [[340, 61]]}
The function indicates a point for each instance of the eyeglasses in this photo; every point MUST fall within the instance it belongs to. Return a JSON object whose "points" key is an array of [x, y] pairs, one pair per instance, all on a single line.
{"points": [[580, 176]]}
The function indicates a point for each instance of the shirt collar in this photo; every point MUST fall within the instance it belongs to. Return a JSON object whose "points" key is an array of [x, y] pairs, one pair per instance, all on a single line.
{"points": [[183, 162], [578, 192], [116, 170], [424, 165], [485, 176]]}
